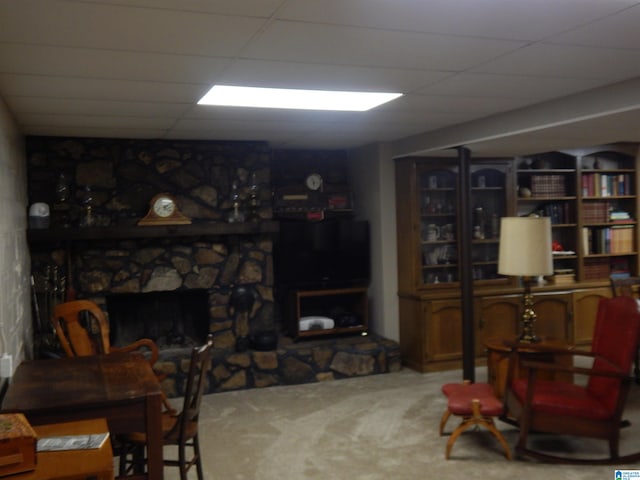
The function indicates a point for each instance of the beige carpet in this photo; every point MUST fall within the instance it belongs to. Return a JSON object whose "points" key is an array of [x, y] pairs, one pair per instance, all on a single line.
{"points": [[370, 428]]}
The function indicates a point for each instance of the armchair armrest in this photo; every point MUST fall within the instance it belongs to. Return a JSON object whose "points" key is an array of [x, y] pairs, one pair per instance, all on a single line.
{"points": [[614, 372], [154, 353], [141, 345]]}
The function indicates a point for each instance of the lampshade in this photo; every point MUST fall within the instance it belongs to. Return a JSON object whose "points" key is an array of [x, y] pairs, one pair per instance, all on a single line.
{"points": [[525, 246]]}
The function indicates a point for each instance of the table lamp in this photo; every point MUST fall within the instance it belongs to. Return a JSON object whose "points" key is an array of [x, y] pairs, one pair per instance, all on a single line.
{"points": [[525, 251]]}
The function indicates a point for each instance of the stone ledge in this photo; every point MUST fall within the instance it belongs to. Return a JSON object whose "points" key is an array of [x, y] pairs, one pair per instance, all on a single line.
{"points": [[292, 363]]}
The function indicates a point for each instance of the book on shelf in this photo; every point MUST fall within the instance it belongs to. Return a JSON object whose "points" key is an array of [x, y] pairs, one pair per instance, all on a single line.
{"points": [[619, 275], [616, 239], [596, 268], [596, 212], [622, 239], [605, 184], [586, 241], [620, 268], [558, 213], [619, 215], [548, 186]]}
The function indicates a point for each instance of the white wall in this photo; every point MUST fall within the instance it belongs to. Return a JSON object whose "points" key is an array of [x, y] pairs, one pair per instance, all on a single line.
{"points": [[372, 174], [15, 310]]}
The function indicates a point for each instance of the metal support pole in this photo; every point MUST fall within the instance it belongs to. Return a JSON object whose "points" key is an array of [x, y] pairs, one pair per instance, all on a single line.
{"points": [[466, 283]]}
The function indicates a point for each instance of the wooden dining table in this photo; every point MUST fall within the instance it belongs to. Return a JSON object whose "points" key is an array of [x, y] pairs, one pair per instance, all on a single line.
{"points": [[121, 388]]}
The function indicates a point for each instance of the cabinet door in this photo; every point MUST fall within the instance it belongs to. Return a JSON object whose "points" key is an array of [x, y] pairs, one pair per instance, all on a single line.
{"points": [[497, 317], [553, 313], [438, 232], [445, 330], [585, 308], [489, 194]]}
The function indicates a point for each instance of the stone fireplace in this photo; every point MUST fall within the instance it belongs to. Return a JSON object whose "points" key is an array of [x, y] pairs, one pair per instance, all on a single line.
{"points": [[131, 273], [121, 177], [149, 277]]}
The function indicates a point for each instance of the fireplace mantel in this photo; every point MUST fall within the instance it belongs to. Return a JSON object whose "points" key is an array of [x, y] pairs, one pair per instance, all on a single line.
{"points": [[128, 232]]}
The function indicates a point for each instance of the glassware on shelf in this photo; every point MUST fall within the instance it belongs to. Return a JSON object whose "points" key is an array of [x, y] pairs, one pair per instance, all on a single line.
{"points": [[88, 219], [254, 201], [62, 206], [236, 215]]}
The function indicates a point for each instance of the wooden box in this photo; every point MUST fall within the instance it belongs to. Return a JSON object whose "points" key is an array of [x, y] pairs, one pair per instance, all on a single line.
{"points": [[17, 444]]}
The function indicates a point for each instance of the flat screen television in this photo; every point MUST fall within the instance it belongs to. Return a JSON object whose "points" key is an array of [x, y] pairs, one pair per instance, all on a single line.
{"points": [[326, 254]]}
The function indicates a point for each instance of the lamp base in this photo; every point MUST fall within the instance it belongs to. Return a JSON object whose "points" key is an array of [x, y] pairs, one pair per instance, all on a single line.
{"points": [[528, 316], [528, 338]]}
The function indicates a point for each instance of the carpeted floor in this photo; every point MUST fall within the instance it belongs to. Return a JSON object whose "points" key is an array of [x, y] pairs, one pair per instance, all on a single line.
{"points": [[370, 428]]}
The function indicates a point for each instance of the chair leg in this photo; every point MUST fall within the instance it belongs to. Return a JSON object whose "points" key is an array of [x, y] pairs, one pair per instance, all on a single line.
{"points": [[613, 446], [196, 451], [525, 421], [454, 436], [137, 462], [443, 420], [477, 419], [182, 461], [494, 431]]}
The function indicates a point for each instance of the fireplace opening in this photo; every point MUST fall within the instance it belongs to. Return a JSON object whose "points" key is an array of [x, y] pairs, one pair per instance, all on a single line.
{"points": [[172, 319]]}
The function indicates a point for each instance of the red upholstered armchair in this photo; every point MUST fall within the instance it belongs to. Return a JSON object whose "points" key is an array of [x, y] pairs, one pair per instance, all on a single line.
{"points": [[588, 409]]}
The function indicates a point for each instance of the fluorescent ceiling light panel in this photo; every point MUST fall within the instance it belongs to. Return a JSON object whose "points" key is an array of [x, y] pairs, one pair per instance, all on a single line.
{"points": [[259, 97]]}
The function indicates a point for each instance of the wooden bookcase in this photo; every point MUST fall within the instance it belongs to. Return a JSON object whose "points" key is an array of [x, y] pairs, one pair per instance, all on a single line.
{"points": [[579, 189]]}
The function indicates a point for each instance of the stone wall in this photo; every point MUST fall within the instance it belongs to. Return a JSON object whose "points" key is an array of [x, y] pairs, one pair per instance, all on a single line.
{"points": [[121, 176]]}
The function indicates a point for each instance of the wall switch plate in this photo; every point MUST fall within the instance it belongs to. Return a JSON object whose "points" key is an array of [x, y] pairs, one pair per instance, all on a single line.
{"points": [[6, 365]]}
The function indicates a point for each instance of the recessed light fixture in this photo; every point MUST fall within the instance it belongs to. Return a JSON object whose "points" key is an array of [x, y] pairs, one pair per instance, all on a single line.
{"points": [[261, 97]]}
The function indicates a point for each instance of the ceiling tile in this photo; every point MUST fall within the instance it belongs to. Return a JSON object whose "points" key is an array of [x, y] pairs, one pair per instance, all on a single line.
{"points": [[40, 105], [508, 86], [115, 27], [109, 64], [97, 89], [296, 74], [249, 8], [616, 31], [94, 121], [507, 19], [567, 61], [295, 41]]}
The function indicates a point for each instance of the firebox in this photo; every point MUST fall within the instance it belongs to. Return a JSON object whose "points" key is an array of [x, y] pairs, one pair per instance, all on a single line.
{"points": [[172, 319]]}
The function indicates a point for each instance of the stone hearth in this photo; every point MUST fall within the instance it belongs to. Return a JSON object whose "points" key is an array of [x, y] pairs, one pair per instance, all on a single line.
{"points": [[291, 363]]}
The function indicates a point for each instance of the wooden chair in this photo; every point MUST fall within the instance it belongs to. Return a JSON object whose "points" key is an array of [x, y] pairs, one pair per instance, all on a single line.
{"points": [[628, 287], [590, 410], [83, 329], [180, 429]]}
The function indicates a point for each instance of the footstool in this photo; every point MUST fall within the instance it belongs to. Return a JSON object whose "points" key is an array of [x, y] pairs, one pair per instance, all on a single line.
{"points": [[477, 404]]}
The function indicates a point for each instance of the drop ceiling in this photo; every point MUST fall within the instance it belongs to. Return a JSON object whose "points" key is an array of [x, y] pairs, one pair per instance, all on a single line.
{"points": [[499, 76]]}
